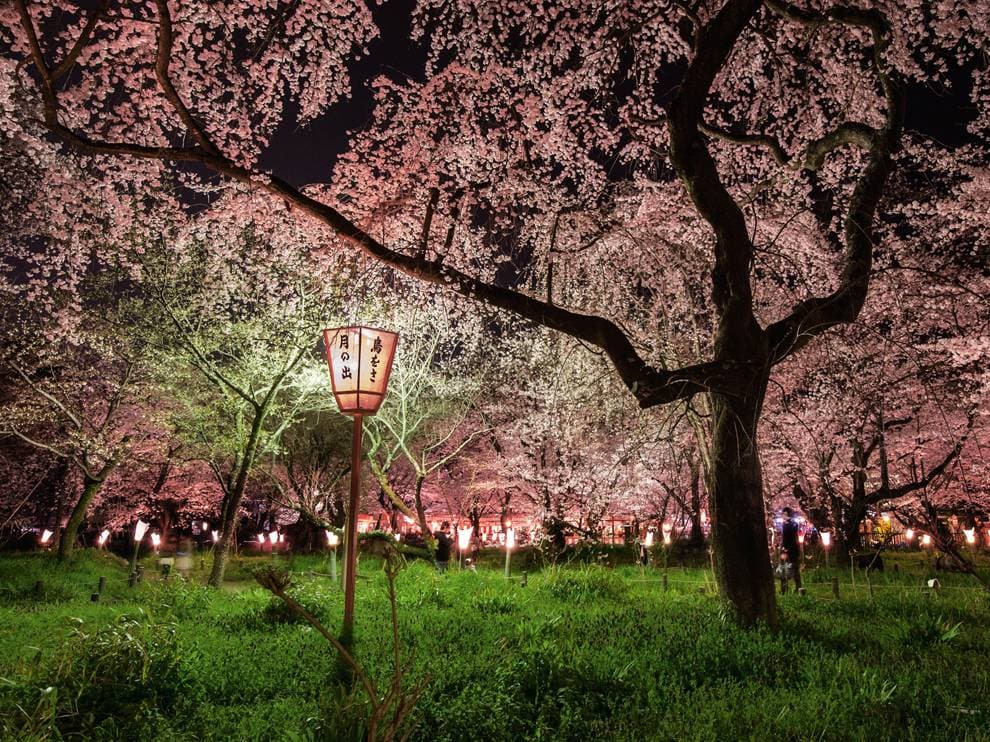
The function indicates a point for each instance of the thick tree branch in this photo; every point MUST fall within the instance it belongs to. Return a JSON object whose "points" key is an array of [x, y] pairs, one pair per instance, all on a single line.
{"points": [[813, 316], [695, 166], [163, 60]]}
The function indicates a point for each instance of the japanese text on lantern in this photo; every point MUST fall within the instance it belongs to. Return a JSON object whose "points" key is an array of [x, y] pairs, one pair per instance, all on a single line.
{"points": [[376, 351], [345, 357]]}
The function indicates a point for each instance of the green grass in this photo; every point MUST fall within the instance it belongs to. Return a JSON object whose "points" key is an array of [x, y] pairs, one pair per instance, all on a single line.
{"points": [[580, 653]]}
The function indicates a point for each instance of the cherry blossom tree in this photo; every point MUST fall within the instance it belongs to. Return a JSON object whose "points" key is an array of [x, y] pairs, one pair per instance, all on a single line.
{"points": [[743, 113], [81, 406]]}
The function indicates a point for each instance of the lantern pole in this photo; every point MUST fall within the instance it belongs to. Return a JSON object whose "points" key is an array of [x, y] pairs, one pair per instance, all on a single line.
{"points": [[350, 545]]}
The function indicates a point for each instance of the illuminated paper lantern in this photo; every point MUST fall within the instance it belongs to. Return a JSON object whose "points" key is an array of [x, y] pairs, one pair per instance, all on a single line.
{"points": [[360, 360], [140, 529], [510, 538], [216, 536], [464, 537], [273, 537], [156, 540], [826, 539], [46, 536], [104, 536], [649, 539], [970, 535], [909, 534], [332, 538], [926, 540]]}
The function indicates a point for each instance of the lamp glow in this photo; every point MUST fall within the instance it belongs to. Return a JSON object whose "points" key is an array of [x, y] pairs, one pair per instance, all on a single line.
{"points": [[909, 534], [970, 535], [140, 529], [156, 540], [464, 537], [649, 539], [46, 536], [216, 536], [273, 537], [926, 540], [332, 538], [826, 539], [103, 537], [261, 539]]}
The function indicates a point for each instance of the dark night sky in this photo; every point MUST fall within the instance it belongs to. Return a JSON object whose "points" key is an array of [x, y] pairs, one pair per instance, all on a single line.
{"points": [[307, 154]]}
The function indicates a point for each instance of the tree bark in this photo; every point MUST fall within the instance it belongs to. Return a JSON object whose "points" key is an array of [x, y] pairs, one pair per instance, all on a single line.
{"points": [[431, 543], [232, 502], [697, 538], [91, 487], [739, 534]]}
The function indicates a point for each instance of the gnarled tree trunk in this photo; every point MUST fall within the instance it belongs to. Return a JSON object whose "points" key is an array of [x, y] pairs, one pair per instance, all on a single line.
{"points": [[739, 534]]}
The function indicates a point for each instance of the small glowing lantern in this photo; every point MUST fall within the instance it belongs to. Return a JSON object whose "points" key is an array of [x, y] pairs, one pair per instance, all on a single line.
{"points": [[464, 537], [667, 528], [510, 542], [926, 540], [649, 539], [801, 538], [216, 536], [909, 534], [46, 536], [273, 537], [332, 540], [826, 539], [970, 535], [156, 540], [103, 537], [261, 539], [464, 540], [140, 528]]}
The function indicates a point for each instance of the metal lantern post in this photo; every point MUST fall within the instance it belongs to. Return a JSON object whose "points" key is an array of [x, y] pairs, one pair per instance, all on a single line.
{"points": [[360, 360]]}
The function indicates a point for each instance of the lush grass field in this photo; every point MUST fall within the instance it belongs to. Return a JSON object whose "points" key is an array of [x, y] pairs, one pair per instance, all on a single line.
{"points": [[581, 654]]}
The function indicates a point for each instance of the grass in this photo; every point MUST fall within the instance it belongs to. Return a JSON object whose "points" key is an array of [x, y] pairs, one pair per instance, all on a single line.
{"points": [[579, 653]]}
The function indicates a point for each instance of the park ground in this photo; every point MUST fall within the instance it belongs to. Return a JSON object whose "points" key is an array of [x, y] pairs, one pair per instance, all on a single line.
{"points": [[582, 653]]}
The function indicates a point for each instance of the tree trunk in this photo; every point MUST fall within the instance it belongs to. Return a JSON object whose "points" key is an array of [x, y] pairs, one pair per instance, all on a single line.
{"points": [[232, 501], [431, 543], [697, 539], [738, 517], [68, 541]]}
